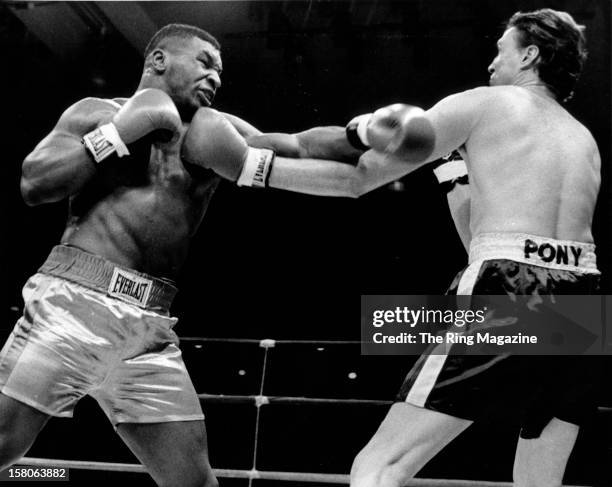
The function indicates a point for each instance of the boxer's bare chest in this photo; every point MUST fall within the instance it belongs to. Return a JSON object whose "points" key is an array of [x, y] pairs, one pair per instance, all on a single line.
{"points": [[142, 211]]}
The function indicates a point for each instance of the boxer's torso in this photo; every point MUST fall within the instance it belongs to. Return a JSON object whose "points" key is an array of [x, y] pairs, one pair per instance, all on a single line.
{"points": [[459, 206], [140, 211], [533, 168]]}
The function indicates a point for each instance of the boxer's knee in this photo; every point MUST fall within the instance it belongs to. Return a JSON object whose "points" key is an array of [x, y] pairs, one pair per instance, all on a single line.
{"points": [[372, 468], [530, 474], [535, 481], [199, 475], [541, 462], [207, 478], [19, 427], [12, 448]]}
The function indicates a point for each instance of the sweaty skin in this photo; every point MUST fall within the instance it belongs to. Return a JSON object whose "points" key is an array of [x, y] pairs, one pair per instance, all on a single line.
{"points": [[459, 206], [139, 211], [533, 167], [135, 212]]}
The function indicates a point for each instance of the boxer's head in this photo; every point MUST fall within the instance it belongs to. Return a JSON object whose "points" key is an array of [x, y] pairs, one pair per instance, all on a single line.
{"points": [[546, 41], [185, 62]]}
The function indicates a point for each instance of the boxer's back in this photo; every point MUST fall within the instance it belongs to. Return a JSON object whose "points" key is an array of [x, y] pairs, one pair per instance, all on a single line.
{"points": [[533, 168]]}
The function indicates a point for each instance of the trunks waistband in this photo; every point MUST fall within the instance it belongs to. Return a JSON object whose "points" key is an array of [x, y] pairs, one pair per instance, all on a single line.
{"points": [[97, 273], [532, 249]]}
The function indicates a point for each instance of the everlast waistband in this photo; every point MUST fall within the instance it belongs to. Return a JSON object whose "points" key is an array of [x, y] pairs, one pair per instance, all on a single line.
{"points": [[97, 273]]}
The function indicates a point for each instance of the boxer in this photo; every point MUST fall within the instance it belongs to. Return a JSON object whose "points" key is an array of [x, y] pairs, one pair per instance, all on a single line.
{"points": [[534, 180], [139, 174]]}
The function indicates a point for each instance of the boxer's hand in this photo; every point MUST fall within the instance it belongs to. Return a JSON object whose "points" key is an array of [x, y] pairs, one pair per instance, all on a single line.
{"points": [[212, 142], [356, 131], [149, 110], [402, 130]]}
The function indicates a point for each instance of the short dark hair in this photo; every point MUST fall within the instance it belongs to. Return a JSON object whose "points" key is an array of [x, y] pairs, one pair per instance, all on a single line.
{"points": [[181, 31], [561, 43]]}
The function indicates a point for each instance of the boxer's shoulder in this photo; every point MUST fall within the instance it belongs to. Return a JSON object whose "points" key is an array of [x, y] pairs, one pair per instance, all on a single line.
{"points": [[91, 104], [476, 102], [87, 112], [88, 108], [495, 96], [499, 104], [243, 127], [118, 101]]}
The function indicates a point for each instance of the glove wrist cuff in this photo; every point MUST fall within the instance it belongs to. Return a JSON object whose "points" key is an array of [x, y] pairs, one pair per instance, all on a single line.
{"points": [[357, 131], [257, 168], [105, 141]]}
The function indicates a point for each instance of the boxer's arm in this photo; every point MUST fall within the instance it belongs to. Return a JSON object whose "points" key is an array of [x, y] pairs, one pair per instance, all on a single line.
{"points": [[315, 143], [456, 118], [213, 142], [60, 165], [327, 178], [452, 120], [244, 128], [447, 125]]}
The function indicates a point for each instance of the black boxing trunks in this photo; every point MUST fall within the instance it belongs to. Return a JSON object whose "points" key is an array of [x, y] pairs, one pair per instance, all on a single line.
{"points": [[528, 389]]}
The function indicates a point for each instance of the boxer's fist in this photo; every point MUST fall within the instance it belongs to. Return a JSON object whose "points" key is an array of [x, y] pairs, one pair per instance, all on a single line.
{"points": [[212, 142], [356, 131], [402, 130], [147, 111], [150, 110]]}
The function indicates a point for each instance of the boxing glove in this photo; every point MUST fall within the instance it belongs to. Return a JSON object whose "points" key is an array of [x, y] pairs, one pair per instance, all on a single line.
{"points": [[149, 110], [356, 131], [212, 142], [402, 130]]}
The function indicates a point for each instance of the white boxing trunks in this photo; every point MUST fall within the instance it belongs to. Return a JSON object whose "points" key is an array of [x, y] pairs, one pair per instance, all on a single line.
{"points": [[91, 327]]}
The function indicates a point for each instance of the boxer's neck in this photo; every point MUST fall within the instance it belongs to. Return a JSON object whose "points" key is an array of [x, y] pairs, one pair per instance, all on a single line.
{"points": [[530, 80], [149, 80]]}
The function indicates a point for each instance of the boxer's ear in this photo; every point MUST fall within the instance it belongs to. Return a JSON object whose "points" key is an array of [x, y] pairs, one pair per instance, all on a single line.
{"points": [[159, 60], [530, 56]]}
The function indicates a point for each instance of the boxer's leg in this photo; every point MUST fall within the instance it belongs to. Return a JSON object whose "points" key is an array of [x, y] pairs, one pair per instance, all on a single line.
{"points": [[151, 399], [174, 453], [541, 461], [19, 426], [406, 440], [34, 372]]}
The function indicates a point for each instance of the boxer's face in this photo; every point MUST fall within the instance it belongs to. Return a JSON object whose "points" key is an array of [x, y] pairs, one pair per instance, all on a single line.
{"points": [[193, 75], [507, 64]]}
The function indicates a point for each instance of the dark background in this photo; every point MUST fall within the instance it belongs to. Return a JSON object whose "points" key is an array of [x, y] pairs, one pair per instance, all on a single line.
{"points": [[281, 265]]}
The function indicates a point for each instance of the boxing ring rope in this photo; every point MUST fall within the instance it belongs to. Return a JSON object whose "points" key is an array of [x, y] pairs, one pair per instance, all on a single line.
{"points": [[323, 478], [259, 401], [268, 342], [222, 398]]}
